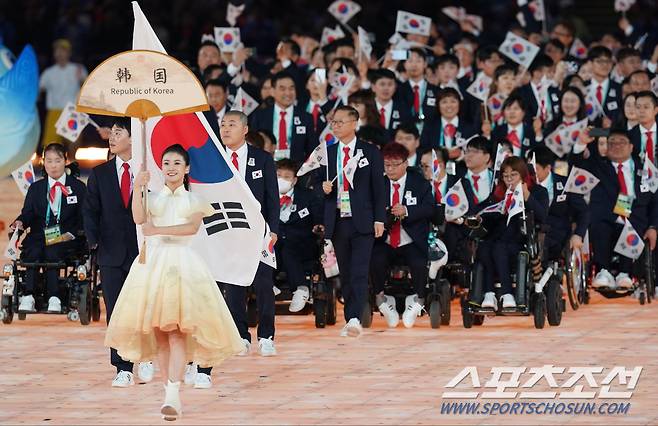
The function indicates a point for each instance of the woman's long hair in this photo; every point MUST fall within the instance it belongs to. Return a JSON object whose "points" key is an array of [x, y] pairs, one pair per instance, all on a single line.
{"points": [[518, 165], [178, 149]]}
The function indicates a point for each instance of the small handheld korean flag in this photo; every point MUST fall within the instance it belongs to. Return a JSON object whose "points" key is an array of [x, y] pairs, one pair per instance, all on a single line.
{"points": [[411, 23], [578, 49], [654, 86], [227, 38], [269, 256], [24, 176], [537, 9], [630, 243], [243, 102], [71, 123], [580, 181], [501, 155], [327, 136], [364, 42], [494, 208], [592, 106], [518, 49], [518, 204], [562, 139], [317, 158], [456, 202], [343, 11], [623, 5], [455, 13], [341, 83], [649, 176], [233, 13], [330, 35], [495, 104], [11, 252], [480, 87], [351, 166]]}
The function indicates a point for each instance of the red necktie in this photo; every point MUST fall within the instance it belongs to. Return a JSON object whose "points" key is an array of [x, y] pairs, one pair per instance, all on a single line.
{"points": [[346, 158], [650, 153], [508, 201], [395, 229], [514, 139], [416, 98], [449, 131], [125, 184], [568, 123], [283, 131], [476, 188], [316, 114], [53, 191], [382, 117], [284, 200], [622, 181], [234, 160], [437, 192], [599, 94]]}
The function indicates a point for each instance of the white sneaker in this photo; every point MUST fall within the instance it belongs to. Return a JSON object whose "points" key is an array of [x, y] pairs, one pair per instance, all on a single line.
{"points": [[54, 305], [299, 299], [353, 328], [624, 281], [247, 347], [490, 301], [26, 304], [409, 301], [603, 279], [508, 301], [202, 381], [410, 314], [171, 408], [123, 380], [387, 309], [343, 331], [266, 347], [190, 374], [145, 371], [276, 290]]}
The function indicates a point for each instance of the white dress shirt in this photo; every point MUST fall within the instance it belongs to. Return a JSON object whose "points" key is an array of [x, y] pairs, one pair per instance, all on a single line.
{"points": [[242, 152], [404, 237], [519, 133], [388, 110], [289, 119], [131, 163], [627, 169], [449, 143], [58, 193], [484, 184], [644, 132]]}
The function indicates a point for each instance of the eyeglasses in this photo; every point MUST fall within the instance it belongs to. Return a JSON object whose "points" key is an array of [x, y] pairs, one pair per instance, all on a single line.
{"points": [[338, 123], [393, 165]]}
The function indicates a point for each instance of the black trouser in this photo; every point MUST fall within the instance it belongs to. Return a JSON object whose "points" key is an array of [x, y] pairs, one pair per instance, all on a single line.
{"points": [[39, 252], [604, 237], [236, 298], [497, 258], [456, 240], [112, 279], [353, 251], [291, 256], [382, 257]]}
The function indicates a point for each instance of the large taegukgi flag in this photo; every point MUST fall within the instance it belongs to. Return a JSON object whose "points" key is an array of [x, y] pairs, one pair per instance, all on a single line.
{"points": [[231, 240]]}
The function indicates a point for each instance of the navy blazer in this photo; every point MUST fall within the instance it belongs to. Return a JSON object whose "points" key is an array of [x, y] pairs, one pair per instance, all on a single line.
{"points": [[644, 210], [35, 206], [367, 199], [306, 213], [566, 208], [303, 139], [432, 131], [107, 221], [419, 201], [635, 134], [428, 105], [532, 105], [612, 101], [473, 206], [261, 178], [528, 142], [322, 117], [399, 114]]}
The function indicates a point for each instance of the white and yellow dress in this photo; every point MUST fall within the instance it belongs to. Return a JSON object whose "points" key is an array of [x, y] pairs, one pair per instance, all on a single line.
{"points": [[173, 290]]}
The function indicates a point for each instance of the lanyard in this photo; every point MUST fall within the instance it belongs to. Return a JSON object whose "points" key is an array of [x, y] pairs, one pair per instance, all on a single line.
{"points": [[339, 165], [59, 209]]}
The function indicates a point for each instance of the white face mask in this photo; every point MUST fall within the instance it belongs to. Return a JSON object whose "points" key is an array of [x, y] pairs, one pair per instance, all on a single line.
{"points": [[284, 185]]}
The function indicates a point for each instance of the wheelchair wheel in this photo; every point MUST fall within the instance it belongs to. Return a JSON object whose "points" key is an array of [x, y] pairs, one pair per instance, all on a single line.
{"points": [[95, 309], [539, 309], [85, 304], [22, 316], [553, 302], [332, 299], [366, 316], [467, 315], [320, 312], [573, 279], [7, 315], [435, 313], [478, 319], [445, 293]]}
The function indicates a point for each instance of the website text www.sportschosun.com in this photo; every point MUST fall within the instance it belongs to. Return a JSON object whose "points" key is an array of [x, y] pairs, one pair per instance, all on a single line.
{"points": [[536, 408]]}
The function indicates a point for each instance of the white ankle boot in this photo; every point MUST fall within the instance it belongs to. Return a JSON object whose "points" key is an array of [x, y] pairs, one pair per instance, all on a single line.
{"points": [[171, 409]]}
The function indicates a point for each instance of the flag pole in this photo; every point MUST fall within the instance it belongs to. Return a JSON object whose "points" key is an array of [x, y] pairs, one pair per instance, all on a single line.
{"points": [[144, 189]]}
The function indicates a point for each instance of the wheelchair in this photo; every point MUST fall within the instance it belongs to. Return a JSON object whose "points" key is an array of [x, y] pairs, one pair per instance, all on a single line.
{"points": [[643, 276], [79, 288], [323, 292], [537, 292], [572, 270], [438, 291]]}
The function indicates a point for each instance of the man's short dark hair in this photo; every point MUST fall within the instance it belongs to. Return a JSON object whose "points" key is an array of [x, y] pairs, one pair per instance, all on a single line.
{"points": [[647, 94], [286, 164], [351, 111], [480, 143], [599, 52], [218, 83], [557, 44], [543, 155], [486, 52], [447, 58], [409, 128], [419, 51], [382, 73], [293, 45], [281, 75], [513, 97], [542, 60], [627, 52], [121, 122]]}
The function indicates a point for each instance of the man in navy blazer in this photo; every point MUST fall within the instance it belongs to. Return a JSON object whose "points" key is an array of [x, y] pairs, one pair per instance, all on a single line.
{"points": [[291, 125], [601, 86], [644, 136], [565, 208], [417, 94], [354, 214], [620, 184], [110, 228], [410, 207], [392, 112], [516, 131]]}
